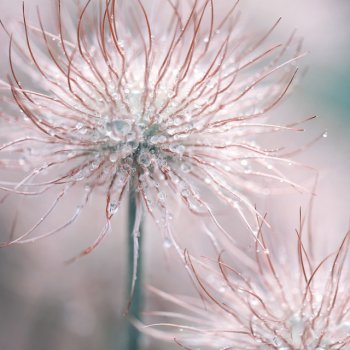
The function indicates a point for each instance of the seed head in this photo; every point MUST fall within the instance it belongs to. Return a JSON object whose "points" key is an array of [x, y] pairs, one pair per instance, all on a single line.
{"points": [[282, 297], [167, 101]]}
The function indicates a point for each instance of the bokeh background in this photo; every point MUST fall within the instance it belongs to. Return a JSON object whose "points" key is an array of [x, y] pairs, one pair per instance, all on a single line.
{"points": [[45, 304]]}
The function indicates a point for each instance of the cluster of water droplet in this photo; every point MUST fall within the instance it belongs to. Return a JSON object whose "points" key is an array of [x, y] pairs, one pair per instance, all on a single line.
{"points": [[130, 141], [301, 332]]}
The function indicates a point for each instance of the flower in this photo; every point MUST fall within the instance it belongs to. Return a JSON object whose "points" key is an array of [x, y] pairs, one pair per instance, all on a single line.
{"points": [[116, 99], [282, 296]]}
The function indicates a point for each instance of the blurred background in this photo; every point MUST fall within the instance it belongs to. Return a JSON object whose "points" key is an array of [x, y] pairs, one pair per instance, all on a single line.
{"points": [[45, 304]]}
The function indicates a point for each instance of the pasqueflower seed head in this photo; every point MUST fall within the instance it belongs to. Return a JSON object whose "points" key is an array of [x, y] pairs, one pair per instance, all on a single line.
{"points": [[282, 297], [167, 100]]}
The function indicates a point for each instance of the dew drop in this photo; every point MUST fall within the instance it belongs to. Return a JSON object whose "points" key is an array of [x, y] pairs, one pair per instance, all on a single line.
{"points": [[79, 126], [122, 127], [186, 167], [167, 243], [154, 139], [94, 165], [22, 161], [145, 159], [325, 134], [179, 149], [177, 121], [113, 157], [112, 208], [161, 197], [185, 193], [236, 205], [207, 180], [222, 289], [80, 175]]}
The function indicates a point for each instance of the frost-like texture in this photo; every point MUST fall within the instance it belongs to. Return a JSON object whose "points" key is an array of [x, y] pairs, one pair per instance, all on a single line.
{"points": [[167, 100], [282, 297]]}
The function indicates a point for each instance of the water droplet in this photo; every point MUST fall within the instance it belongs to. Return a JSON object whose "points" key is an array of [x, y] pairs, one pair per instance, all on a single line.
{"points": [[222, 289], [207, 180], [236, 205], [83, 131], [325, 134], [158, 139], [161, 197], [179, 149], [122, 177], [186, 167], [79, 126], [185, 192], [113, 157], [94, 165], [22, 161], [112, 208], [177, 121], [154, 139], [145, 159], [80, 175], [122, 127], [162, 138], [167, 243]]}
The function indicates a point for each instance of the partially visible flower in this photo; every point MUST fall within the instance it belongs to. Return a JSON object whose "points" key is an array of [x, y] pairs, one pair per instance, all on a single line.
{"points": [[118, 99], [282, 297]]}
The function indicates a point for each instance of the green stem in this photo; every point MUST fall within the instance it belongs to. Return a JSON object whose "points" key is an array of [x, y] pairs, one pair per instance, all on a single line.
{"points": [[133, 335]]}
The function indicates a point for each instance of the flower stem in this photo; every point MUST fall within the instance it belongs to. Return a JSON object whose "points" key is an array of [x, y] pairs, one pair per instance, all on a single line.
{"points": [[133, 335]]}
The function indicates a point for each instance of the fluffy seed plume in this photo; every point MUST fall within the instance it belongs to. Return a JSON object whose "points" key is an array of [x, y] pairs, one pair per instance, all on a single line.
{"points": [[282, 297], [167, 100]]}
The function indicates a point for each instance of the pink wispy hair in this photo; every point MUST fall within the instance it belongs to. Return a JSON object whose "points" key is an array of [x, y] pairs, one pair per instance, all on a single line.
{"points": [[114, 98], [285, 295]]}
